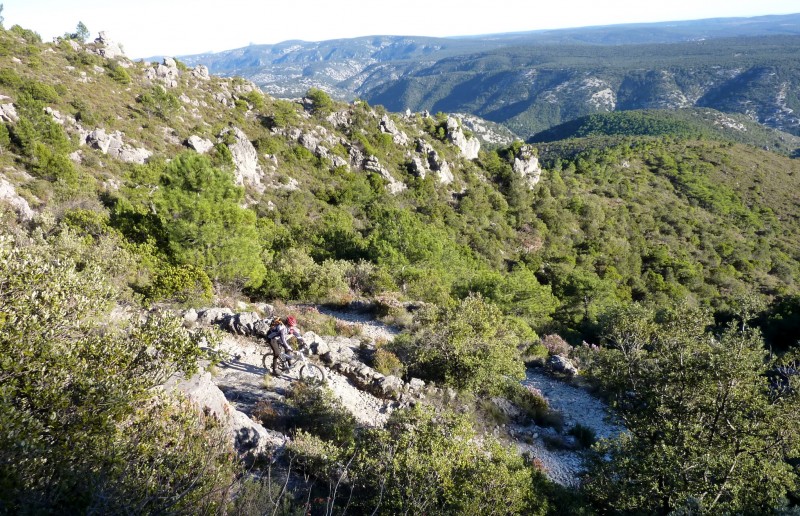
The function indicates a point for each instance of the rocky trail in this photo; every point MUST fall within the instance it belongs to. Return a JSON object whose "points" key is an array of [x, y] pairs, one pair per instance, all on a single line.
{"points": [[245, 382], [555, 451]]}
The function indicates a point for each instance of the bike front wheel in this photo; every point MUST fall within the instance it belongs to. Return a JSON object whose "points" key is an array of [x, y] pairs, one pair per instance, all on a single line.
{"points": [[312, 374]]}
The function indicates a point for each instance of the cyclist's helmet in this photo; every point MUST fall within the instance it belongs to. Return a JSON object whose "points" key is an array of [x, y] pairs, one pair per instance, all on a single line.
{"points": [[291, 321]]}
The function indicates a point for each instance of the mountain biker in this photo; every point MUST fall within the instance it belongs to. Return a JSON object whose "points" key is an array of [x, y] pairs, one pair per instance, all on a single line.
{"points": [[278, 338]]}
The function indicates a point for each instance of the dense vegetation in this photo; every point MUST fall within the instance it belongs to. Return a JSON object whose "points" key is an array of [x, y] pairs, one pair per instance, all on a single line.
{"points": [[684, 123], [665, 250]]}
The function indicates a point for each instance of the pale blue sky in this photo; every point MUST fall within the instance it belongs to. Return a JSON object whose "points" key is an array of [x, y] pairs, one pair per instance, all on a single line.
{"points": [[181, 27]]}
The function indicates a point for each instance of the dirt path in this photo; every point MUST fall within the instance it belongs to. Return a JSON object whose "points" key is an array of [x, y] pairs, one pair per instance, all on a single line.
{"points": [[366, 321], [242, 379], [577, 406]]}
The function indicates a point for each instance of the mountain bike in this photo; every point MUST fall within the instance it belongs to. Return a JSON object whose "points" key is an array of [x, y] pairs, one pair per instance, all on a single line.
{"points": [[309, 372]]}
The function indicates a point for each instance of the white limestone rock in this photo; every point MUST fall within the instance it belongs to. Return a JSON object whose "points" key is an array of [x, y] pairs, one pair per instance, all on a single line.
{"points": [[526, 164], [114, 146], [245, 159], [372, 164], [9, 195], [200, 72], [250, 439], [200, 145], [106, 47], [167, 73], [388, 126], [469, 146], [8, 113]]}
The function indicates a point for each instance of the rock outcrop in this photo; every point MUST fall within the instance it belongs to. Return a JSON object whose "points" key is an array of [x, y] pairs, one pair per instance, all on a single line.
{"points": [[372, 164], [114, 146], [431, 161], [8, 113], [201, 72], [106, 47], [200, 145], [9, 195], [561, 364], [245, 159], [469, 146], [167, 73], [388, 126], [250, 439], [526, 164]]}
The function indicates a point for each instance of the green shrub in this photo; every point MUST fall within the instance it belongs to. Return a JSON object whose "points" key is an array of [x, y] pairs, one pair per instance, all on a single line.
{"points": [[585, 436], [284, 114], [5, 137], [387, 363], [88, 222], [10, 78], [159, 102], [321, 101], [186, 284], [73, 388], [427, 462], [29, 36], [319, 412], [40, 91], [466, 346], [118, 73]]}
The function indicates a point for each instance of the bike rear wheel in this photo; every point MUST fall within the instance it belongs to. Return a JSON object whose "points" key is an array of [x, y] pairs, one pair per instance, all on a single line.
{"points": [[266, 358], [312, 374]]}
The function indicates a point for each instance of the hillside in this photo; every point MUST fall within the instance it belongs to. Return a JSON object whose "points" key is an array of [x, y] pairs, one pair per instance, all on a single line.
{"points": [[148, 207], [532, 81], [686, 123], [530, 89]]}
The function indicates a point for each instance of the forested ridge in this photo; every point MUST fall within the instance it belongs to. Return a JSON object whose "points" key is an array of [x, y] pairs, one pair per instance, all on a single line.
{"points": [[665, 265]]}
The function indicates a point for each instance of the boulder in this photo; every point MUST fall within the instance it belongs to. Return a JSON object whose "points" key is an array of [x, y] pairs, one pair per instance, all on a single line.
{"points": [[201, 72], [561, 364], [9, 195], [245, 159], [200, 145], [356, 157], [209, 316], [168, 73], [340, 119], [509, 409], [316, 343], [416, 385], [469, 147], [129, 154], [338, 161], [98, 139], [251, 440], [389, 386], [434, 163], [190, 318], [444, 173], [242, 323], [114, 146], [8, 113]]}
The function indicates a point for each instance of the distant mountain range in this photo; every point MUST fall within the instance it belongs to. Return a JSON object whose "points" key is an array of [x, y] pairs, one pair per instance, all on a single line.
{"points": [[532, 81]]}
